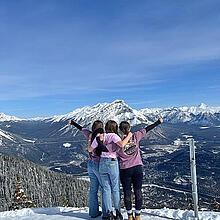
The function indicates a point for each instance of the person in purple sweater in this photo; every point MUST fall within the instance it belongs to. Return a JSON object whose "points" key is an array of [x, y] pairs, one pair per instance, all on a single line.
{"points": [[130, 164], [108, 168], [93, 171]]}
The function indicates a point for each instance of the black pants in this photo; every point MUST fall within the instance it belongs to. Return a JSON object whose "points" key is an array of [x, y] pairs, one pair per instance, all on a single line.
{"points": [[133, 175]]}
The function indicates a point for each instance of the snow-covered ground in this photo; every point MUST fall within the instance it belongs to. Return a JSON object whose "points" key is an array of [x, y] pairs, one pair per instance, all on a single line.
{"points": [[61, 213]]}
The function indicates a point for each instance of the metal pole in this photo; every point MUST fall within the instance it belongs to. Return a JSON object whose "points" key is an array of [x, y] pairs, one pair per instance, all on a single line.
{"points": [[193, 177]]}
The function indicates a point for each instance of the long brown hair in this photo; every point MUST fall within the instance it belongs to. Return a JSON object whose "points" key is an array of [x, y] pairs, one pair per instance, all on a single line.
{"points": [[97, 124], [124, 127], [97, 127], [111, 127]]}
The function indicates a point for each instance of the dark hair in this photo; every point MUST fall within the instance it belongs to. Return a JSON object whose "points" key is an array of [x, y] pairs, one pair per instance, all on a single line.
{"points": [[97, 127], [111, 127], [124, 127], [97, 124]]}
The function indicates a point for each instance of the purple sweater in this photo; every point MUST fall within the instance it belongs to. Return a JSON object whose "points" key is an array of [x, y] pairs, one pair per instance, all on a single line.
{"points": [[93, 156], [129, 156]]}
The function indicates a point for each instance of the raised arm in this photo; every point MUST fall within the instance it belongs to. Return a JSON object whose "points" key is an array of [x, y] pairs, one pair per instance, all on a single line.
{"points": [[150, 127], [71, 122], [125, 141]]}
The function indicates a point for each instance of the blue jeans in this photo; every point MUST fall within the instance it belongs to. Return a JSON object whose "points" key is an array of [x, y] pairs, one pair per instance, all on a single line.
{"points": [[109, 173], [95, 182]]}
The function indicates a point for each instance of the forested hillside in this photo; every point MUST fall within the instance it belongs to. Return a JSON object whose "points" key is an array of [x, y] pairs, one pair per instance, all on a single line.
{"points": [[42, 186]]}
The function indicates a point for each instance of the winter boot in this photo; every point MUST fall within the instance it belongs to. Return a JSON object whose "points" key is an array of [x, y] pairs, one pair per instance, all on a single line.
{"points": [[130, 216], [118, 215], [99, 214], [111, 216], [137, 216]]}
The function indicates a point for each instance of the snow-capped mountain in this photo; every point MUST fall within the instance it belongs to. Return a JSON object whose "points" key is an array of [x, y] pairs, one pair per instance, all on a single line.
{"points": [[201, 115], [118, 110], [4, 117], [202, 108]]}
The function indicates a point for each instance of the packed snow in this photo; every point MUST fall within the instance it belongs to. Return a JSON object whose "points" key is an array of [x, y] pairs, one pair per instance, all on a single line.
{"points": [[65, 213]]}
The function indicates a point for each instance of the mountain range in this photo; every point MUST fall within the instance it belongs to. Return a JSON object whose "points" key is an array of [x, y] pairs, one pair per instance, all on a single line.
{"points": [[53, 143], [118, 110], [51, 140]]}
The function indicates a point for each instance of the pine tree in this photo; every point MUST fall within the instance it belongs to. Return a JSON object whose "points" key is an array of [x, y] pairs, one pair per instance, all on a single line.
{"points": [[20, 199], [191, 204], [65, 202], [215, 205]]}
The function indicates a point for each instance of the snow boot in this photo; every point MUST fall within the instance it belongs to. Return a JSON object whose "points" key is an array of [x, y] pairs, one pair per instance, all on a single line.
{"points": [[130, 216], [111, 216], [118, 215], [99, 214], [137, 216]]}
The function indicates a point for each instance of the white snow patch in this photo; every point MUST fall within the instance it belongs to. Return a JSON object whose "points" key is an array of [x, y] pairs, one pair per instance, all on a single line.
{"points": [[70, 213], [67, 145], [58, 168], [204, 127], [29, 140]]}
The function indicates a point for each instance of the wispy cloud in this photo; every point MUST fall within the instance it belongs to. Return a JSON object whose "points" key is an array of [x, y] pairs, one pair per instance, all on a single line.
{"points": [[101, 50]]}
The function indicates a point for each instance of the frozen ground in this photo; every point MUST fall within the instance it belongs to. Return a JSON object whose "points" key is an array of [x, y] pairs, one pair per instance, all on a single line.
{"points": [[61, 213]]}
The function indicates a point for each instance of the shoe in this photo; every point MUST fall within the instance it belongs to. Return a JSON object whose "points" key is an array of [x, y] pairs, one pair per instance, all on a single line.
{"points": [[118, 215], [111, 216], [104, 217], [137, 216], [130, 216], [100, 213]]}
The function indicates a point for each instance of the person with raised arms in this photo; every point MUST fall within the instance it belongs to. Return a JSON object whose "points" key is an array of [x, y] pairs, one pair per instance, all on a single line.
{"points": [[109, 169], [130, 164], [93, 170]]}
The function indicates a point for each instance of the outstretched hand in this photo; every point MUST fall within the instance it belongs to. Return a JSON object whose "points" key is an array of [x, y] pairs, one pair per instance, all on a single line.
{"points": [[161, 120]]}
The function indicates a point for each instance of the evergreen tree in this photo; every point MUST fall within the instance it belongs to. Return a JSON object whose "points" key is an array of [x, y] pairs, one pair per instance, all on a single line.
{"points": [[65, 202], [215, 205], [20, 199], [191, 204]]}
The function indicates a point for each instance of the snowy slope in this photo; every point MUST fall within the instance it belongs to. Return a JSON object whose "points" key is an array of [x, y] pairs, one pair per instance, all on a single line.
{"points": [[6, 135], [60, 213]]}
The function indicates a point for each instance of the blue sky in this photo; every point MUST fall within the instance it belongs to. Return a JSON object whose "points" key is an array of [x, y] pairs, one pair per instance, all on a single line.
{"points": [[58, 55]]}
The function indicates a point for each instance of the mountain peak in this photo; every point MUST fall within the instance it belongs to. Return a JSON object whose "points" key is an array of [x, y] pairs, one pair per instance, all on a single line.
{"points": [[118, 101], [202, 105], [4, 117]]}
